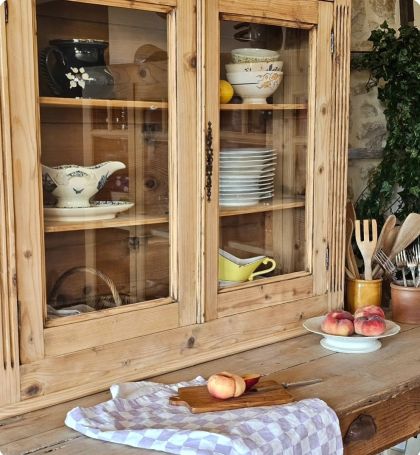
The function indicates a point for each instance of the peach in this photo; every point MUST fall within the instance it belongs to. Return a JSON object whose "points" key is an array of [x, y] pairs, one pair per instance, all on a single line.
{"points": [[251, 380], [370, 310], [369, 326], [225, 385], [338, 323]]}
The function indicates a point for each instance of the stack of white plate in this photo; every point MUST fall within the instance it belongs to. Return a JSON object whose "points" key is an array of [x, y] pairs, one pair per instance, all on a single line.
{"points": [[246, 176]]}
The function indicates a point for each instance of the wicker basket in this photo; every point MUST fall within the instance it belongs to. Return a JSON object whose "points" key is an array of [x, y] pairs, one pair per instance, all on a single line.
{"points": [[95, 302]]}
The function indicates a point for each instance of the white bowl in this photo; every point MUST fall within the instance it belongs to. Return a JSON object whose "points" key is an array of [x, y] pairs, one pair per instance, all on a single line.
{"points": [[250, 55], [254, 66], [255, 86]]}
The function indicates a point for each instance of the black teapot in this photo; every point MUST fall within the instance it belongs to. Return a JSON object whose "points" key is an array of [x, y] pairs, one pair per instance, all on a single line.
{"points": [[76, 68]]}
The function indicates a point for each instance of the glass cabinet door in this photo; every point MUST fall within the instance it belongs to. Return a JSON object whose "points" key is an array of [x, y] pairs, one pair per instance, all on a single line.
{"points": [[105, 139], [261, 135], [263, 151]]}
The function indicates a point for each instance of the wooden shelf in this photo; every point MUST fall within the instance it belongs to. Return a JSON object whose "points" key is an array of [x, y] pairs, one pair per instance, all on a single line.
{"points": [[87, 102], [119, 221], [276, 204], [263, 107]]}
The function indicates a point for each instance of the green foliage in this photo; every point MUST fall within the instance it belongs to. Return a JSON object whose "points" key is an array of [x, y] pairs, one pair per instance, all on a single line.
{"points": [[394, 66]]}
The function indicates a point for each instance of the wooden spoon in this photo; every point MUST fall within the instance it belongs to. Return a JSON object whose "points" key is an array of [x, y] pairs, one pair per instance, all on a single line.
{"points": [[351, 260], [408, 232]]}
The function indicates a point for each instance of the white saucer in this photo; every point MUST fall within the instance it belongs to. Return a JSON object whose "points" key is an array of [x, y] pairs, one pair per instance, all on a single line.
{"points": [[99, 210], [225, 284], [355, 344]]}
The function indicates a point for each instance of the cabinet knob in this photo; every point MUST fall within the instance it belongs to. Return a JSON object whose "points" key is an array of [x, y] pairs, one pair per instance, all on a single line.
{"points": [[361, 429], [209, 160]]}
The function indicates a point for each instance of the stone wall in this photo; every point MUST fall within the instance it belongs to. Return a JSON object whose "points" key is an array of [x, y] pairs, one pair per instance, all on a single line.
{"points": [[367, 123], [367, 133]]}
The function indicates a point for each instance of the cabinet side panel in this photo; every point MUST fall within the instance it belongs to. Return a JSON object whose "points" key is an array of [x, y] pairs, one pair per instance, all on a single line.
{"points": [[9, 359], [26, 177], [338, 157]]}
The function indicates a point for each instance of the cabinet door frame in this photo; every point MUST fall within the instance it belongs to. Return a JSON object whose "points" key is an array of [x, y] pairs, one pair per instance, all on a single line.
{"points": [[9, 351], [317, 17], [38, 341]]}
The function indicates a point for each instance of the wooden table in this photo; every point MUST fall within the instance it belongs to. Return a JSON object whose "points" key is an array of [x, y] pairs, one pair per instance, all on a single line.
{"points": [[383, 387]]}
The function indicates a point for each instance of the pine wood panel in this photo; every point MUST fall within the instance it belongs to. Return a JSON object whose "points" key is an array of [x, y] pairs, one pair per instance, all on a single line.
{"points": [[83, 335], [120, 221], [305, 11], [22, 63], [84, 372], [262, 107], [163, 6], [78, 103], [264, 294], [9, 357], [372, 391], [321, 175], [338, 159], [265, 20], [210, 71], [187, 164], [396, 420]]}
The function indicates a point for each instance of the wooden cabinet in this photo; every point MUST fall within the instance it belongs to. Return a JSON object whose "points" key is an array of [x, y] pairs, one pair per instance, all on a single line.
{"points": [[141, 265]]}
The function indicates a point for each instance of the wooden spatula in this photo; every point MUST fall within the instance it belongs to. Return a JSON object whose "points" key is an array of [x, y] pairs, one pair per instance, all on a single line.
{"points": [[367, 245]]}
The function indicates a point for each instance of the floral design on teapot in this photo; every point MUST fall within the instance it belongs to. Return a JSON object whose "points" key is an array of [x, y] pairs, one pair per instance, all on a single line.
{"points": [[74, 185]]}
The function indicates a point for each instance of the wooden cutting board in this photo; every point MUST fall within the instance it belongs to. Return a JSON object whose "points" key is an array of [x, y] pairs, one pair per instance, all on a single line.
{"points": [[198, 399]]}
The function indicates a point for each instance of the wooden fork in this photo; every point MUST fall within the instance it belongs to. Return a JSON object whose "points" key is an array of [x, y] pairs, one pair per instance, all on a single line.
{"points": [[367, 245]]}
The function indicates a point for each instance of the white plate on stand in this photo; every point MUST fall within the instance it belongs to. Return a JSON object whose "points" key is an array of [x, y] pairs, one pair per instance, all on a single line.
{"points": [[99, 210], [355, 344]]}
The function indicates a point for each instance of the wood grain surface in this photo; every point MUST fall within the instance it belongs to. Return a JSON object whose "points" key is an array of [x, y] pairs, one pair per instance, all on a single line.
{"points": [[198, 399]]}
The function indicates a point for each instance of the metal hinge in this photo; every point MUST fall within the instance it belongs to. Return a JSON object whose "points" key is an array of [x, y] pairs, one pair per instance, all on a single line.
{"points": [[6, 11], [134, 243], [327, 257], [332, 43]]}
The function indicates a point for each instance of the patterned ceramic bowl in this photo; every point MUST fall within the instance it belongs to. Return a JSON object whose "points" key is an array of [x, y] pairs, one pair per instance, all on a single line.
{"points": [[251, 55], [257, 66], [255, 86]]}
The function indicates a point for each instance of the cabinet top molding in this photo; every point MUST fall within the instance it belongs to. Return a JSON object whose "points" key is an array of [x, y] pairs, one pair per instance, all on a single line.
{"points": [[302, 11]]}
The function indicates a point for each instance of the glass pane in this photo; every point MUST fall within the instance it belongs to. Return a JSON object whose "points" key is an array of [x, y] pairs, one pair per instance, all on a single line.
{"points": [[104, 153], [263, 151]]}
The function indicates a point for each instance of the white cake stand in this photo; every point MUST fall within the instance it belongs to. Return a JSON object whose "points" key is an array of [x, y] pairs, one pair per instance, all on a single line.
{"points": [[355, 344]]}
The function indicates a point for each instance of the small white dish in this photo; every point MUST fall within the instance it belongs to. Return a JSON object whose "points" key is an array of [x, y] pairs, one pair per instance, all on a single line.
{"points": [[243, 166], [225, 284], [246, 150], [250, 55], [355, 344], [98, 210]]}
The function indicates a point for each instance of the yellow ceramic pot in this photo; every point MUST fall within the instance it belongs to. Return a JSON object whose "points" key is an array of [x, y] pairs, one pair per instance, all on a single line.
{"points": [[232, 268], [360, 293]]}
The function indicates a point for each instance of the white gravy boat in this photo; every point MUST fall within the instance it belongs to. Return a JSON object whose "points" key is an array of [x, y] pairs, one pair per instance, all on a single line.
{"points": [[73, 185]]}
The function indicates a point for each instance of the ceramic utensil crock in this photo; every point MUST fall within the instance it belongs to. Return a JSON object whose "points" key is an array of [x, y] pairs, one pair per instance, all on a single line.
{"points": [[360, 293]]}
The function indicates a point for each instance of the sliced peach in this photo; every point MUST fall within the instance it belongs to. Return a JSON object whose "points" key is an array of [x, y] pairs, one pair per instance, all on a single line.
{"points": [[251, 379]]}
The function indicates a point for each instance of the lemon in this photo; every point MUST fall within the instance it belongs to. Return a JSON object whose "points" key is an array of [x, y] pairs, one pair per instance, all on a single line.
{"points": [[226, 92]]}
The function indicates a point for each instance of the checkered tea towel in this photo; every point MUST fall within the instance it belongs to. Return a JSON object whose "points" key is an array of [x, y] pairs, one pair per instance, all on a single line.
{"points": [[140, 415]]}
